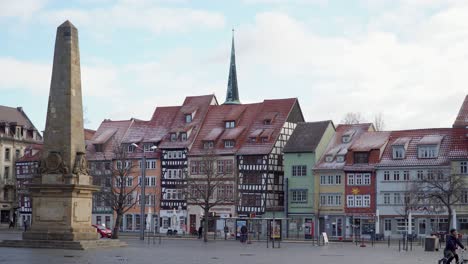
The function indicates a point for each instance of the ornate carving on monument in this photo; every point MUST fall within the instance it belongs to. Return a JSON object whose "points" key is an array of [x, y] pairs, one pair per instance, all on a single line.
{"points": [[81, 164], [53, 164]]}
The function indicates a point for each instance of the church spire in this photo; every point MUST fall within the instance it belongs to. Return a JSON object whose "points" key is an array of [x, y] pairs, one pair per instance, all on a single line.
{"points": [[232, 95]]}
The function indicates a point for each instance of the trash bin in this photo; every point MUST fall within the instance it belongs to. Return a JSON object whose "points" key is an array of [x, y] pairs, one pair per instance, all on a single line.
{"points": [[431, 243]]}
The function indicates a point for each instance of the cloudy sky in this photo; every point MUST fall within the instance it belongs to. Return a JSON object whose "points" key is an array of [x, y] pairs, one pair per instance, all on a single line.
{"points": [[407, 59]]}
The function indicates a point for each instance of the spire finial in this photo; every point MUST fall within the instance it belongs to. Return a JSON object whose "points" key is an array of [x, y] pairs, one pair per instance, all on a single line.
{"points": [[232, 95]]}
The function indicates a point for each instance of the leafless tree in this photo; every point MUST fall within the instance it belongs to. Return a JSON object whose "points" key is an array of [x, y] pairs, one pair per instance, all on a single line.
{"points": [[352, 118], [379, 122], [210, 187], [120, 196], [443, 189], [410, 202]]}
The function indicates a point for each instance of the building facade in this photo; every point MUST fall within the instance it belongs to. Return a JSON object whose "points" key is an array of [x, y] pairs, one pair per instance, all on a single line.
{"points": [[304, 148], [16, 133]]}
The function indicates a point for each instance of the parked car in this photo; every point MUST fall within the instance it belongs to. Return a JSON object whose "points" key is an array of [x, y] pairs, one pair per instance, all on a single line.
{"points": [[103, 231]]}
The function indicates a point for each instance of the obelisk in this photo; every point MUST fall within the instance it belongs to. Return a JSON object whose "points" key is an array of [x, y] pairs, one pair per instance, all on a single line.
{"points": [[62, 195]]}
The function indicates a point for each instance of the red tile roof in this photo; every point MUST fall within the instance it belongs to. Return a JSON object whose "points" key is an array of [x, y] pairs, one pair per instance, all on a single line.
{"points": [[193, 104], [337, 147], [119, 128], [459, 144], [370, 140], [89, 133], [418, 136], [462, 117], [280, 109], [31, 153]]}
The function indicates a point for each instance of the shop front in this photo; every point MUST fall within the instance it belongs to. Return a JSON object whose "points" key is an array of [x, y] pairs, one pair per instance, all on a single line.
{"points": [[301, 226]]}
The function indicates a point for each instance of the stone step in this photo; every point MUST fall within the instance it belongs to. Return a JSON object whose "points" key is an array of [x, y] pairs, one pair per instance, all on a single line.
{"points": [[74, 245]]}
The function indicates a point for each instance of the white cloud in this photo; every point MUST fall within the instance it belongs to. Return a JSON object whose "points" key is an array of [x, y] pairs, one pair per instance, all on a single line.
{"points": [[23, 9], [146, 15]]}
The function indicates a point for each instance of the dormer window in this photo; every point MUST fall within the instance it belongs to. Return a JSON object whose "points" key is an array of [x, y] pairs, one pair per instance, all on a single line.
{"points": [[230, 124], [361, 157], [252, 139], [130, 148], [264, 139], [188, 118], [427, 151], [340, 158], [346, 138], [398, 152], [148, 148], [98, 147], [229, 143], [329, 158], [183, 136], [267, 122], [208, 145], [173, 137]]}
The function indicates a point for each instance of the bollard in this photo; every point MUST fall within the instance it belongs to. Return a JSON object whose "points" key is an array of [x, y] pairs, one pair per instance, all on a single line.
{"points": [[411, 244], [399, 245], [160, 239], [388, 241]]}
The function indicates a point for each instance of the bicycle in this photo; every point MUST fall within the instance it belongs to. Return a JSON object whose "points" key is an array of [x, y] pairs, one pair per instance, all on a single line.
{"points": [[461, 258]]}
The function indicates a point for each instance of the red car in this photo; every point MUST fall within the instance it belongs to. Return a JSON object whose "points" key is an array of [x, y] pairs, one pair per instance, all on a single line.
{"points": [[103, 231]]}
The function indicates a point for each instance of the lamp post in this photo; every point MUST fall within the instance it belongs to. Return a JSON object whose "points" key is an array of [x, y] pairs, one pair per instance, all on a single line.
{"points": [[142, 188]]}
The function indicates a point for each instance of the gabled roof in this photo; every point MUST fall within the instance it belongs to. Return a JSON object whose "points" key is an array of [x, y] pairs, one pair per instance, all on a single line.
{"points": [[213, 128], [16, 116], [31, 153], [283, 110], [117, 129], [306, 136], [192, 104], [418, 137], [462, 118], [370, 141], [459, 144], [337, 147]]}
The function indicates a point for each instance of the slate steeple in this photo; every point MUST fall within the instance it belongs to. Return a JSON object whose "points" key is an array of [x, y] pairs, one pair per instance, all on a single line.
{"points": [[232, 95]]}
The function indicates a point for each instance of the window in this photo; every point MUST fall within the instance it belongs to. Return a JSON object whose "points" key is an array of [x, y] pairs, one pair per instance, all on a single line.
{"points": [[350, 200], [340, 158], [386, 176], [188, 118], [208, 144], [367, 179], [148, 148], [420, 174], [358, 200], [464, 197], [17, 153], [299, 196], [388, 224], [350, 179], [463, 223], [6, 173], [267, 122], [346, 138], [329, 158], [361, 157], [330, 179], [7, 154], [328, 199], [406, 175], [173, 137], [299, 170], [464, 167], [358, 178], [398, 152], [230, 124], [323, 179], [396, 175], [183, 136], [366, 200], [194, 167], [425, 152], [396, 198], [130, 148], [229, 143], [337, 179], [151, 164], [430, 175], [386, 198]]}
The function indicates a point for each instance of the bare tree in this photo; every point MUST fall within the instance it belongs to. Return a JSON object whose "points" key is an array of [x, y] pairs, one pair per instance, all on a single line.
{"points": [[120, 196], [210, 187], [410, 202], [443, 189], [379, 122], [352, 118]]}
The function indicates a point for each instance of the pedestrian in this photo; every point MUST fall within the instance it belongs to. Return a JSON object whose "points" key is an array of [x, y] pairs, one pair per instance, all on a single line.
{"points": [[200, 232], [25, 225], [243, 234], [451, 246], [11, 225]]}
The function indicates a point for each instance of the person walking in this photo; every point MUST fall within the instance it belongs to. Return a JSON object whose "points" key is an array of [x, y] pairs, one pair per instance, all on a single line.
{"points": [[451, 246], [25, 225], [200, 232], [243, 237], [11, 225]]}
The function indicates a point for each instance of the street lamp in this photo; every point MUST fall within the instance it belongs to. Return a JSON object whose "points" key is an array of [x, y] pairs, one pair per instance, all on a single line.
{"points": [[142, 187]]}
